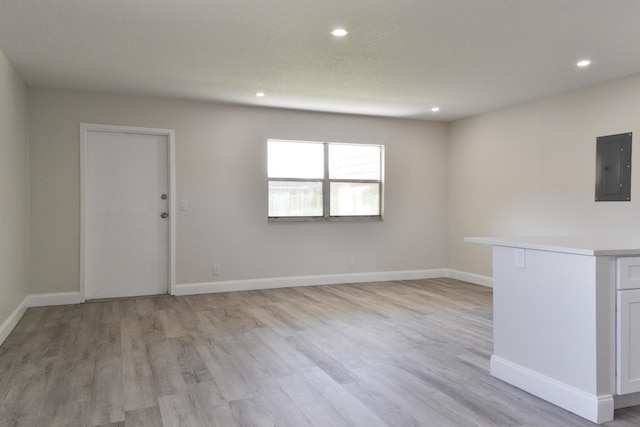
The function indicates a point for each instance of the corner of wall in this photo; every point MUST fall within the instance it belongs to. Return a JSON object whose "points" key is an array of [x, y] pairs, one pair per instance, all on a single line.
{"points": [[14, 186]]}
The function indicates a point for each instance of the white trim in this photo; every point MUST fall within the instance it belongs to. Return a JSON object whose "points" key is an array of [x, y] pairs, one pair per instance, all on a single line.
{"points": [[36, 300], [598, 409], [170, 134], [287, 282], [173, 196], [64, 298], [58, 298], [470, 277], [627, 400], [13, 319]]}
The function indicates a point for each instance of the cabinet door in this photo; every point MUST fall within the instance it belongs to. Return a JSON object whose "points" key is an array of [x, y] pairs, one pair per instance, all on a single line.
{"points": [[628, 276], [628, 348]]}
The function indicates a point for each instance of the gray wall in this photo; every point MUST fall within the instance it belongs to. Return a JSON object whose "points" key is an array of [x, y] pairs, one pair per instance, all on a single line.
{"points": [[530, 170], [14, 190], [221, 171]]}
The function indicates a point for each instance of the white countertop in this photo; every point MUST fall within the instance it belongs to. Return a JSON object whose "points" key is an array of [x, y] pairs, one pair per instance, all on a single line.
{"points": [[580, 245]]}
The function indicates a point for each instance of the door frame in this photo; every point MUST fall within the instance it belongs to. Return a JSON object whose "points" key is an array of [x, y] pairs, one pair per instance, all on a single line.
{"points": [[85, 128]]}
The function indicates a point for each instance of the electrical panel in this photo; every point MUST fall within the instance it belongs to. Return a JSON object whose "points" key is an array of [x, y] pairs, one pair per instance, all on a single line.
{"points": [[613, 168]]}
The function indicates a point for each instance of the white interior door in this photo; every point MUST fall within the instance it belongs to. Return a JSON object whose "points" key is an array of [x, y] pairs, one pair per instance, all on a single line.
{"points": [[126, 207]]}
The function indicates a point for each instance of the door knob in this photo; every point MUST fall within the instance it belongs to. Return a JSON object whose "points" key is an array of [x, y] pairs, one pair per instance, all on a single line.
{"points": [[164, 215]]}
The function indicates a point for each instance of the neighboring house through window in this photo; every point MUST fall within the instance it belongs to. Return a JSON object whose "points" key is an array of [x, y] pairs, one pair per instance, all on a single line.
{"points": [[324, 181]]}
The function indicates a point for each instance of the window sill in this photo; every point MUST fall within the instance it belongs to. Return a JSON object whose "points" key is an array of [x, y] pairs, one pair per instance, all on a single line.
{"points": [[367, 218]]}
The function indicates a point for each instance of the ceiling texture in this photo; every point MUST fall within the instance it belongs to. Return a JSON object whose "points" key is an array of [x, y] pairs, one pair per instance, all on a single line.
{"points": [[400, 58]]}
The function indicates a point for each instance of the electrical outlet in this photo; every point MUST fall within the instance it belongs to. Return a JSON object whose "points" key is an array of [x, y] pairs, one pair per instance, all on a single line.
{"points": [[216, 269], [352, 262], [519, 258]]}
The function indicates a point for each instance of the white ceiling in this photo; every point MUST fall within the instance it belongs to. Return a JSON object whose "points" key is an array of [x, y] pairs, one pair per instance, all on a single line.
{"points": [[401, 57]]}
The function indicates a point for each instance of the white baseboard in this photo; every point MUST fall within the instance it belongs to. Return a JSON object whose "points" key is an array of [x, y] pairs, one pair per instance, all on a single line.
{"points": [[13, 319], [287, 282], [470, 277], [64, 298], [58, 298], [598, 409], [627, 400], [36, 300]]}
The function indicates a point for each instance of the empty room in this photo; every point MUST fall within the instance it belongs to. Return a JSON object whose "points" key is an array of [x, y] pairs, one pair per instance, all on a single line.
{"points": [[319, 213]]}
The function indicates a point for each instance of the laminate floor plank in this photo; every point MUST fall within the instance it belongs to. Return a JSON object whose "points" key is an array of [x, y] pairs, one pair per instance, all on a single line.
{"points": [[23, 397], [290, 356], [107, 399], [192, 367], [171, 324], [261, 354], [67, 382], [151, 328], [143, 417], [132, 337], [145, 306], [391, 387], [112, 311], [209, 404], [231, 381], [311, 401], [356, 413], [167, 375], [245, 351], [449, 396], [281, 408], [321, 359], [398, 353], [139, 387], [274, 320], [108, 338], [178, 411], [70, 414], [31, 321], [251, 413]]}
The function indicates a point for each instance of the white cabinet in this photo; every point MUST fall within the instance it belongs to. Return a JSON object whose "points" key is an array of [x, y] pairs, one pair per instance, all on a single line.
{"points": [[628, 275], [628, 366], [628, 325], [566, 323]]}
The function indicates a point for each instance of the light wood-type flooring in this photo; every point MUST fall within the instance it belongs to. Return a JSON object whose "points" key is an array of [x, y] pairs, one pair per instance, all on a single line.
{"points": [[402, 353]]}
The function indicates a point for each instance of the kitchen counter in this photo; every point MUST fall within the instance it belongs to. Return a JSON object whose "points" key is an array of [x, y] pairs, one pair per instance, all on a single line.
{"points": [[594, 246], [561, 318]]}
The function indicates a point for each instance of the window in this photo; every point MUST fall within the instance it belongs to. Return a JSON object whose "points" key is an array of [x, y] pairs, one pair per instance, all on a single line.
{"points": [[324, 181]]}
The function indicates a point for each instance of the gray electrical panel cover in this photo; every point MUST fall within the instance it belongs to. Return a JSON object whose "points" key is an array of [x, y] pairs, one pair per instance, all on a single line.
{"points": [[613, 168]]}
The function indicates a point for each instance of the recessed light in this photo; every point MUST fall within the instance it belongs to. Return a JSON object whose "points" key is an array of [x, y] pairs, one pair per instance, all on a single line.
{"points": [[260, 94], [339, 32], [435, 109], [584, 63]]}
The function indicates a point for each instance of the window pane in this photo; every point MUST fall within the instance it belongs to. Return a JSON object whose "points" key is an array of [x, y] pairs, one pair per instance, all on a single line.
{"points": [[354, 161], [294, 198], [354, 198], [295, 159]]}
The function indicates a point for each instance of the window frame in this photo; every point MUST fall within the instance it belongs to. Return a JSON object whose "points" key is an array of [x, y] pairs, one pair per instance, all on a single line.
{"points": [[326, 187]]}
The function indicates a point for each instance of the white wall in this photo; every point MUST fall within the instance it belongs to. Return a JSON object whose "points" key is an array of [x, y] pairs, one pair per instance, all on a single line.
{"points": [[14, 190], [530, 170], [221, 171]]}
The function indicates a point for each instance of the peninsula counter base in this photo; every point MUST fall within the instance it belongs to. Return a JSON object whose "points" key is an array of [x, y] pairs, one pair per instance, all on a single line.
{"points": [[555, 323]]}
